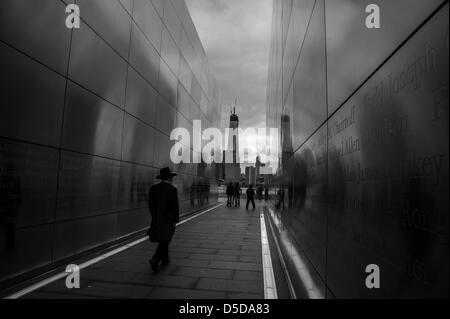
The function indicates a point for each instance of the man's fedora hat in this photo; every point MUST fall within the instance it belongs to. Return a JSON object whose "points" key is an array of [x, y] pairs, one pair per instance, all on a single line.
{"points": [[165, 173]]}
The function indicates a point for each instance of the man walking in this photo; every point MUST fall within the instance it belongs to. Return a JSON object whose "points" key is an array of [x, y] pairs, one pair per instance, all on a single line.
{"points": [[250, 197], [230, 193], [163, 205], [237, 195]]}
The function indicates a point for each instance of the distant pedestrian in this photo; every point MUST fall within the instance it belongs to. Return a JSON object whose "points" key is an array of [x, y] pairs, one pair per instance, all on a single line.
{"points": [[237, 195], [266, 193], [230, 194], [163, 205], [250, 197]]}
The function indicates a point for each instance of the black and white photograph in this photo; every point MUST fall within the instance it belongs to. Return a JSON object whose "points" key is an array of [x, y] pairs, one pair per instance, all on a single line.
{"points": [[224, 154]]}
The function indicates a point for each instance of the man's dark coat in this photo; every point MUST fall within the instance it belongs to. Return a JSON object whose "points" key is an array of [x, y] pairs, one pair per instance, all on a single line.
{"points": [[163, 205]]}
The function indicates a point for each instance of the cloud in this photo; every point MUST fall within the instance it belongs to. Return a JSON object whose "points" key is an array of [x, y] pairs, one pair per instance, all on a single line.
{"points": [[236, 38]]}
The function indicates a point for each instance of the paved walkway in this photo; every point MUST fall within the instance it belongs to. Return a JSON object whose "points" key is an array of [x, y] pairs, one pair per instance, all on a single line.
{"points": [[216, 255]]}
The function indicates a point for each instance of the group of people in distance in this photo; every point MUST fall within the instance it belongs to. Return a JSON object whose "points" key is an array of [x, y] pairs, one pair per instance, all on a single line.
{"points": [[234, 193]]}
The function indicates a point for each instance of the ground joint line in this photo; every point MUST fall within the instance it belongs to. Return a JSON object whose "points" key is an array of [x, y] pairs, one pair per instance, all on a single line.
{"points": [[270, 287]]}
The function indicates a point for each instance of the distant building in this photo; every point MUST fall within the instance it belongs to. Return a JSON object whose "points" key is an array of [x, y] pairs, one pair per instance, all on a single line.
{"points": [[250, 175], [260, 171], [232, 167]]}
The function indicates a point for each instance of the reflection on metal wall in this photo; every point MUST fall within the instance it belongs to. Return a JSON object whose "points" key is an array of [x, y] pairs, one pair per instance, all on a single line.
{"points": [[85, 120], [366, 175]]}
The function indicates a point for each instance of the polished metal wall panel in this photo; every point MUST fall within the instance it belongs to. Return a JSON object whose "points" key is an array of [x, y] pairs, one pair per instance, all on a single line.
{"points": [[32, 99], [181, 121], [168, 84], [141, 98], [110, 20], [204, 106], [288, 63], [185, 17], [195, 60], [96, 66], [186, 48], [196, 91], [172, 22], [306, 281], [28, 175], [354, 51], [91, 125], [300, 19], [138, 142], [196, 114], [103, 130], [169, 51], [165, 114], [148, 21], [287, 127], [159, 6], [82, 234], [180, 9], [310, 95], [285, 19], [32, 33], [128, 5], [389, 175], [87, 186], [163, 151], [197, 66], [184, 73], [32, 248], [305, 187], [143, 57], [370, 185], [135, 182], [130, 221], [184, 185], [204, 83]]}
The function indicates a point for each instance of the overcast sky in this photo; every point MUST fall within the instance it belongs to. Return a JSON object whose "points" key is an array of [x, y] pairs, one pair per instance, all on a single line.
{"points": [[236, 38]]}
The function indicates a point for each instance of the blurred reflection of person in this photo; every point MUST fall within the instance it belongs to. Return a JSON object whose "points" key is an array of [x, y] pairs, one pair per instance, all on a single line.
{"points": [[192, 194], [163, 205], [10, 200], [290, 195], [259, 191], [230, 193], [237, 195], [198, 193], [280, 194], [207, 190]]}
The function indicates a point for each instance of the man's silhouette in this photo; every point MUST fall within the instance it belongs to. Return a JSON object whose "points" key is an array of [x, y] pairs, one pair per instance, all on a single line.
{"points": [[230, 193], [250, 197], [237, 195], [163, 205]]}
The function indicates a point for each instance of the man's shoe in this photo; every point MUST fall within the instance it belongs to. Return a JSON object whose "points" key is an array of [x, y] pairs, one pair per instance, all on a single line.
{"points": [[154, 265]]}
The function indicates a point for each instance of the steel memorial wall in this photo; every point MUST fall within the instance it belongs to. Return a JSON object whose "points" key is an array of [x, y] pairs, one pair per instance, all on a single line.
{"points": [[85, 120], [365, 168]]}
